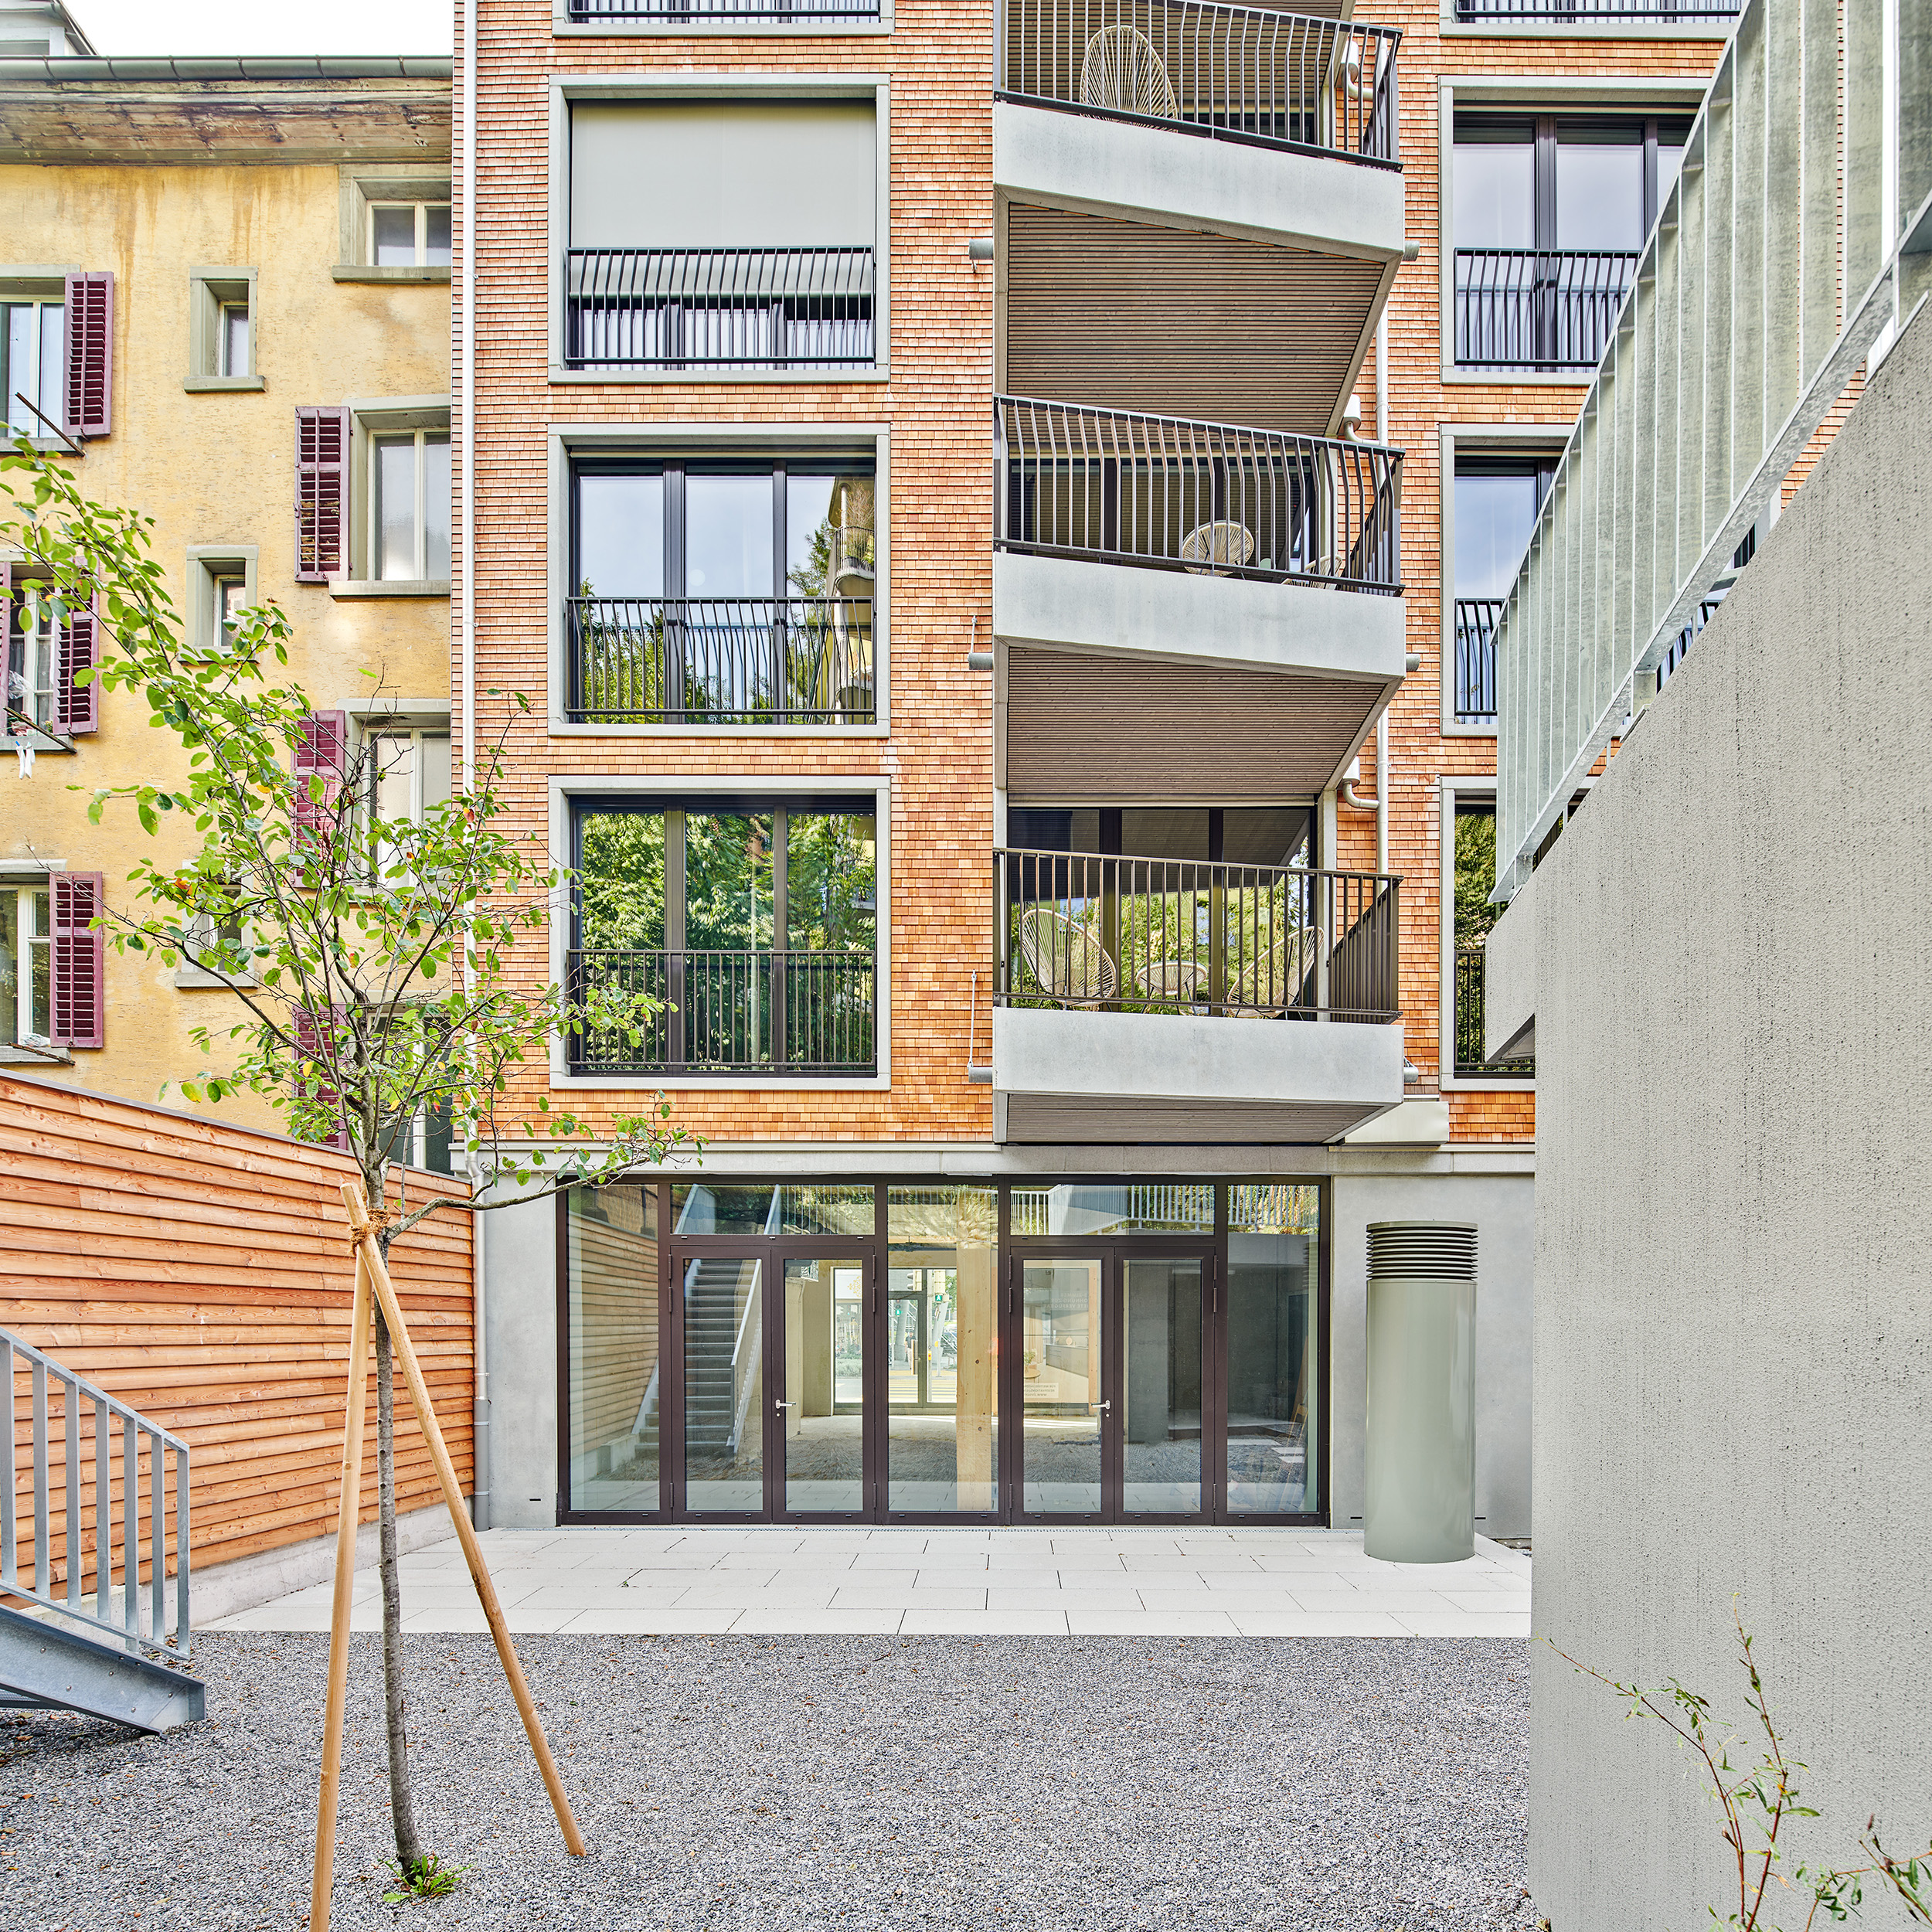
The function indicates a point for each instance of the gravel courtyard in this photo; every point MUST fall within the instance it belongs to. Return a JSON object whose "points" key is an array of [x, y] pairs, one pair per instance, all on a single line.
{"points": [[1084, 1784]]}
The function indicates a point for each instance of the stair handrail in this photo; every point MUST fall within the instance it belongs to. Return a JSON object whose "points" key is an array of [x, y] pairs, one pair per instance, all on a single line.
{"points": [[174, 1643]]}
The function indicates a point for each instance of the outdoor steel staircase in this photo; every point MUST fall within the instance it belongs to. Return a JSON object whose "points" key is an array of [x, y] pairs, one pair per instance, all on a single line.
{"points": [[106, 1504]]}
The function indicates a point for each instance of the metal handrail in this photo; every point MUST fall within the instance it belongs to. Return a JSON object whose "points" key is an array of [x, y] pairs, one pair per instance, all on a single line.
{"points": [[125, 1442], [1538, 308], [1471, 965], [1214, 499], [718, 308], [1249, 73], [1476, 622], [1657, 12], [794, 1012], [805, 660], [1119, 933]]}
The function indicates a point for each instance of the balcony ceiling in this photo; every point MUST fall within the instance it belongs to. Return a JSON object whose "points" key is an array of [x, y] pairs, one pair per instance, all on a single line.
{"points": [[1127, 315], [1081, 726]]}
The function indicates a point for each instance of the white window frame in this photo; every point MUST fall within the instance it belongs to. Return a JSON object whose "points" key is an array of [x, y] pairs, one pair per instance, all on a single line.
{"points": [[1525, 95], [1450, 790], [566, 794], [370, 417], [419, 207], [1474, 439], [777, 440], [45, 287], [38, 698], [212, 293], [26, 892], [376, 440], [376, 729], [688, 86]]}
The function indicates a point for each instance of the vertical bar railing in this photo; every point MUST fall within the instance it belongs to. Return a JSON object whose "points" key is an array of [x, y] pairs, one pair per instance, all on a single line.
{"points": [[167, 1630], [1248, 73], [1475, 654]]}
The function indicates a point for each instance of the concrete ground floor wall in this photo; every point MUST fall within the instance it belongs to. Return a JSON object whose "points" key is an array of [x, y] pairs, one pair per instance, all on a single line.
{"points": [[1491, 1187]]}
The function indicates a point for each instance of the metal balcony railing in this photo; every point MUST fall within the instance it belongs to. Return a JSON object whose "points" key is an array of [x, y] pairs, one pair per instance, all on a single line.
{"points": [[1209, 498], [724, 1011], [104, 1499], [1660, 13], [1476, 621], [720, 661], [718, 308], [1471, 964], [702, 12], [1120, 934], [1539, 309], [1235, 73]]}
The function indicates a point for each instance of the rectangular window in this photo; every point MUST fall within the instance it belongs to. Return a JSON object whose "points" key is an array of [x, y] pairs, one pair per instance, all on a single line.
{"points": [[410, 506], [237, 357], [408, 234], [26, 1002], [1496, 501], [33, 663], [618, 1393], [723, 592], [409, 774], [1274, 1375], [755, 928], [33, 362], [1550, 215], [1475, 860]]}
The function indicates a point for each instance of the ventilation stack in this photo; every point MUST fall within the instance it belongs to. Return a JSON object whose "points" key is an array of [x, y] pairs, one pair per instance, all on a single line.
{"points": [[1421, 1506]]}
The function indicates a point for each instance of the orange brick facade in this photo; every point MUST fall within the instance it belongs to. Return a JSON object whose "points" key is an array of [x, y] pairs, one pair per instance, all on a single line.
{"points": [[935, 406]]}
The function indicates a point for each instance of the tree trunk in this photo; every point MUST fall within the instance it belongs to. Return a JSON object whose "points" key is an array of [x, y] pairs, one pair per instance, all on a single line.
{"points": [[408, 1847]]}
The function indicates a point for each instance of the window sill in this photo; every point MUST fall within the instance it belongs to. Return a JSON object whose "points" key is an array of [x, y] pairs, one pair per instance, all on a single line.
{"points": [[43, 743], [351, 588], [190, 977], [216, 385], [367, 272], [34, 1056]]}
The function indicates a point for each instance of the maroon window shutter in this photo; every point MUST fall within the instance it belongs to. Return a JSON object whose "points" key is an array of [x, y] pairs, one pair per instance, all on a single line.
{"points": [[322, 746], [77, 960], [76, 706], [308, 1043], [322, 495], [90, 354]]}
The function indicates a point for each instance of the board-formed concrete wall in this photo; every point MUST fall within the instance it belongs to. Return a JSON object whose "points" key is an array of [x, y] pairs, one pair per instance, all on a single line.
{"points": [[1734, 1269]]}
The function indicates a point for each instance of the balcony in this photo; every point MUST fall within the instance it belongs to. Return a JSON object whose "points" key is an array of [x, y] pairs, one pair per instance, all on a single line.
{"points": [[762, 1014], [1159, 584], [700, 13], [720, 661], [1150, 999], [1471, 1015], [1539, 309], [1555, 13], [723, 308]]}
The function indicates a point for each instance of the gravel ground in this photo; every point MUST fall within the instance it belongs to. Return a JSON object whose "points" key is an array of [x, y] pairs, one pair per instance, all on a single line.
{"points": [[1083, 1784]]}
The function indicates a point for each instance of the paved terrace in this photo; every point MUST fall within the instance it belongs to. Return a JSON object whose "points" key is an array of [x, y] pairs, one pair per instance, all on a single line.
{"points": [[910, 1582]]}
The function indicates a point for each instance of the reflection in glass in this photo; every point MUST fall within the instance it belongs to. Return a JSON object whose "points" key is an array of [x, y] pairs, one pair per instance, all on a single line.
{"points": [[723, 1383], [1142, 1207], [1274, 1238], [616, 1380], [942, 1428], [1599, 193], [620, 537], [1495, 189], [728, 881], [758, 1208], [824, 1426], [1494, 514], [727, 523], [1161, 1414], [1061, 1387]]}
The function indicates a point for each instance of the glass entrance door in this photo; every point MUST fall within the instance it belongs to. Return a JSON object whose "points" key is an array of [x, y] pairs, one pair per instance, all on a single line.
{"points": [[722, 1312], [820, 1404], [1110, 1345]]}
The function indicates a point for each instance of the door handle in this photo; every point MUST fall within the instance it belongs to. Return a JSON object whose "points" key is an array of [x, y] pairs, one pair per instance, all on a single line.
{"points": [[1099, 1406], [784, 1405]]}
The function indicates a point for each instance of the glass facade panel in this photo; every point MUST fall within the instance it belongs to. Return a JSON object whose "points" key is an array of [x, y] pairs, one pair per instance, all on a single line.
{"points": [[1273, 1383], [1140, 1207], [941, 1349], [724, 1383], [826, 1210], [1161, 1411], [618, 1394], [1061, 1372], [824, 1385]]}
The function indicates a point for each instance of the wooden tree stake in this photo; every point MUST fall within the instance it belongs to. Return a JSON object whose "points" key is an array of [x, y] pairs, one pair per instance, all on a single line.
{"points": [[371, 1257], [361, 1327]]}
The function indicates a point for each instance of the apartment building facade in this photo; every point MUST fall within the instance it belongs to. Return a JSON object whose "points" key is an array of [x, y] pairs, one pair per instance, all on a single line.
{"points": [[226, 305], [966, 497]]}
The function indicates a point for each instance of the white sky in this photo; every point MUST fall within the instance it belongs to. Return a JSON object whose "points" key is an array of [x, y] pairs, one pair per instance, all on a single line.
{"points": [[135, 27]]}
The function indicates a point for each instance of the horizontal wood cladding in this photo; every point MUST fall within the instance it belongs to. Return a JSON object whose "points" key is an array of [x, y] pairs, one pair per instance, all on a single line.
{"points": [[1080, 726], [1126, 315], [202, 1274]]}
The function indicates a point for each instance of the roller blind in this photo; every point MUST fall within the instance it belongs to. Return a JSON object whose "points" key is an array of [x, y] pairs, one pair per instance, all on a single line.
{"points": [[718, 174]]}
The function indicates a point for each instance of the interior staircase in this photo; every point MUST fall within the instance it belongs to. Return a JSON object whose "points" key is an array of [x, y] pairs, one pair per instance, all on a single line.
{"points": [[711, 1318], [119, 1649]]}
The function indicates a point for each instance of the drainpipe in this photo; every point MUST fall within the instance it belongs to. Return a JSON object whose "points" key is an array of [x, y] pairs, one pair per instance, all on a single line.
{"points": [[1346, 792], [466, 629]]}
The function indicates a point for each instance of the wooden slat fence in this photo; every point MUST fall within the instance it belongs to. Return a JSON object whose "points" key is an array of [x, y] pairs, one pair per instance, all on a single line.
{"points": [[202, 1274]]}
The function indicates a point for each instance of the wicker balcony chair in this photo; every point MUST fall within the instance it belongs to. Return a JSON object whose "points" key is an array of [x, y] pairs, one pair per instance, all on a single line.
{"points": [[1066, 962], [1124, 71], [1182, 981], [1269, 986], [1209, 548]]}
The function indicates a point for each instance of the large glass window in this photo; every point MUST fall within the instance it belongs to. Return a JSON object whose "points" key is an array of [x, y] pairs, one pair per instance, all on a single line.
{"points": [[1476, 874], [1274, 1378], [32, 693], [1496, 501], [410, 506], [33, 363], [618, 1393], [25, 988], [941, 1349]]}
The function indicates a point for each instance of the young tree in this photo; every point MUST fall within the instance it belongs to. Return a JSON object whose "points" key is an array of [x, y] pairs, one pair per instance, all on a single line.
{"points": [[374, 950]]}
